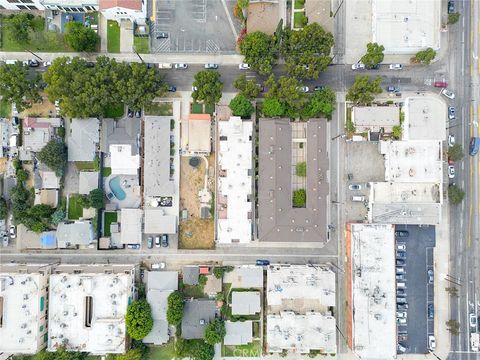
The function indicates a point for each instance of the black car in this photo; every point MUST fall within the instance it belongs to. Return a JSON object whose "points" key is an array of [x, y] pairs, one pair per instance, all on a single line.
{"points": [[401, 293], [401, 255], [318, 88], [33, 63], [401, 233], [15, 121], [400, 262], [262, 262], [451, 7], [164, 240], [162, 35], [130, 113], [90, 64], [172, 88], [430, 311], [150, 66], [138, 114], [402, 307]]}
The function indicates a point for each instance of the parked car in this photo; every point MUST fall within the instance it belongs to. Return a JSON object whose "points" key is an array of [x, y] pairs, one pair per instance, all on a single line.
{"points": [[402, 247], [451, 171], [401, 233], [430, 276], [90, 64], [211, 66], [164, 240], [181, 66], [172, 88], [402, 337], [157, 266], [431, 342], [430, 311], [358, 66], [244, 66], [451, 140], [474, 146], [162, 35], [473, 321], [194, 88], [392, 88], [130, 113], [318, 88], [395, 67], [400, 277], [401, 293], [400, 270], [402, 306], [13, 231], [47, 63], [138, 114], [401, 300], [33, 63], [451, 113], [401, 321], [448, 94], [354, 187], [133, 246], [5, 241], [150, 242], [440, 84], [401, 255], [304, 89], [399, 262], [262, 262], [402, 314], [15, 121], [157, 241], [451, 7], [359, 198]]}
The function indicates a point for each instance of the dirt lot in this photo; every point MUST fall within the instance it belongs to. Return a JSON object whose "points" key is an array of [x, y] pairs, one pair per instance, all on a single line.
{"points": [[195, 233], [262, 17], [40, 109], [3, 165]]}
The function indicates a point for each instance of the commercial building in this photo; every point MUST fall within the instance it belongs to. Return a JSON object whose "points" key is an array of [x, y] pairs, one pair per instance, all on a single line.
{"points": [[23, 308], [282, 146], [234, 186], [375, 118], [87, 308], [425, 118], [71, 6], [371, 322], [19, 5]]}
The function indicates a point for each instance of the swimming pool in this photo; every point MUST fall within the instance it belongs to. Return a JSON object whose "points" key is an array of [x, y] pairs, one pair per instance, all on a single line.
{"points": [[117, 188]]}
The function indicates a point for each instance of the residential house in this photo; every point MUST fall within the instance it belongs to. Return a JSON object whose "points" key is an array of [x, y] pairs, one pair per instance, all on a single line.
{"points": [[83, 139], [118, 10], [238, 332], [190, 275], [131, 226], [197, 314], [37, 132], [87, 181], [77, 234], [246, 302]]}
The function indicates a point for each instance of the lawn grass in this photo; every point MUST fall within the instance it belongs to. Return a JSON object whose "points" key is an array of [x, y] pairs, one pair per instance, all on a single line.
{"points": [[197, 108], [250, 350], [86, 165], [159, 109], [40, 40], [75, 210], [109, 217], [256, 329], [141, 44], [5, 109], [209, 109], [297, 19], [299, 4], [106, 171], [164, 352], [114, 111], [113, 37]]}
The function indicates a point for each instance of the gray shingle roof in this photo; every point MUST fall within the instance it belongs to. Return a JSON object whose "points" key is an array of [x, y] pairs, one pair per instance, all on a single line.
{"points": [[196, 316]]}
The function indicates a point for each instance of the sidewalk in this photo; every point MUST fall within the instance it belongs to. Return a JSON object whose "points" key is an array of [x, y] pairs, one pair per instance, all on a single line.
{"points": [[132, 57]]}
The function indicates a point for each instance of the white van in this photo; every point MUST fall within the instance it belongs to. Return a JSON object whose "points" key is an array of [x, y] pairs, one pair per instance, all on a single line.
{"points": [[165, 66], [401, 285], [358, 198], [11, 62]]}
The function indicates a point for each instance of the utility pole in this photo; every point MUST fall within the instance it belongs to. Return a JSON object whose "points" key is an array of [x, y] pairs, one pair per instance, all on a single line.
{"points": [[31, 52], [340, 135]]}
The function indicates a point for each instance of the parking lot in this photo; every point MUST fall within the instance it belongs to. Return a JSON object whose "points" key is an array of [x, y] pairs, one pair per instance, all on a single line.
{"points": [[194, 26], [418, 291]]}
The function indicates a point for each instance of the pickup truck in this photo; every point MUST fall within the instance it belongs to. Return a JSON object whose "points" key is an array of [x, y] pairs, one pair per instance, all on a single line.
{"points": [[474, 340]]}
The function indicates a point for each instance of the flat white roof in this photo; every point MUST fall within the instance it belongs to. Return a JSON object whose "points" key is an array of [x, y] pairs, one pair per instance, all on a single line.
{"points": [[405, 27], [300, 282], [122, 161], [23, 308], [157, 222], [238, 332], [412, 161], [245, 302], [301, 333], [87, 312], [373, 290], [131, 226], [234, 202], [405, 193], [425, 118], [414, 214], [373, 118]]}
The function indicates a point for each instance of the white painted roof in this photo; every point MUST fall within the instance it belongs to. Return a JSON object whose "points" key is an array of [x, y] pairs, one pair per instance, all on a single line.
{"points": [[373, 118], [245, 302], [131, 226], [157, 222], [238, 332], [425, 118], [234, 203], [373, 289], [122, 161]]}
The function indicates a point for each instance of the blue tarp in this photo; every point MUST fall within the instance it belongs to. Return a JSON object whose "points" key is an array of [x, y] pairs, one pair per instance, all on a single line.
{"points": [[48, 240]]}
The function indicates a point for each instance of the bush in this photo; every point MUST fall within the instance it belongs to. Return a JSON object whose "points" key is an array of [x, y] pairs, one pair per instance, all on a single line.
{"points": [[95, 198], [241, 106], [453, 18], [139, 319], [215, 332], [3, 208], [397, 132], [455, 194], [301, 169], [425, 56], [175, 308], [299, 198], [80, 37], [455, 152]]}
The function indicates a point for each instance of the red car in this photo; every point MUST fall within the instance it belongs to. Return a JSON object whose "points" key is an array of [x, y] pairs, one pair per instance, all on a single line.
{"points": [[440, 84]]}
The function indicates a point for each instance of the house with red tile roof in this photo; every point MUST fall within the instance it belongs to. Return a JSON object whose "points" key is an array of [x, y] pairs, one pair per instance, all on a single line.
{"points": [[118, 10]]}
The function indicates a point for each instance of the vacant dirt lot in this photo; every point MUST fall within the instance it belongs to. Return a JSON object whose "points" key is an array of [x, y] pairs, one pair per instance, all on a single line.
{"points": [[262, 17], [40, 109], [196, 233]]}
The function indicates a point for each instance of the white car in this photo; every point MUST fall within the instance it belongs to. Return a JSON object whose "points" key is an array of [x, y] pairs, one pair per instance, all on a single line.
{"points": [[395, 67], [473, 321], [451, 140], [358, 66], [448, 94], [181, 66], [305, 89], [13, 231], [451, 171], [431, 342], [401, 314], [401, 321], [211, 66], [244, 66], [47, 63], [14, 109], [194, 88], [401, 247]]}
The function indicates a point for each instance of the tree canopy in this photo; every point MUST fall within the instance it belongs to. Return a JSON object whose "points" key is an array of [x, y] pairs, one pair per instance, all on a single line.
{"points": [[455, 194], [307, 51], [247, 88], [455, 152], [320, 104], [3, 208], [139, 319], [175, 308], [363, 91], [17, 87], [425, 56], [208, 86], [259, 51], [18, 27], [60, 354], [373, 56], [215, 332], [80, 37], [453, 18], [272, 107], [54, 155], [287, 90], [95, 198], [241, 106]]}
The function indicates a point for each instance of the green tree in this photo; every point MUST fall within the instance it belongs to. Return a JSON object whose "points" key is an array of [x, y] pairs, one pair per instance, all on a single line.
{"points": [[455, 194], [215, 332], [175, 308], [307, 51], [272, 107], [397, 132], [58, 216], [299, 198], [203, 351], [208, 86], [3, 208], [16, 85], [132, 354], [301, 169], [363, 91], [18, 27], [96, 198], [259, 51], [80, 37], [60, 354], [288, 91], [373, 56], [321, 104], [139, 319], [247, 88], [54, 155], [22, 175], [455, 152], [41, 211], [453, 18], [425, 56], [453, 326], [241, 106], [21, 200]]}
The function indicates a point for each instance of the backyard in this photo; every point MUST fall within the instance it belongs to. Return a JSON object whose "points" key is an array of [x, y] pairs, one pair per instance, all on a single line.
{"points": [[113, 37], [250, 350], [159, 109], [75, 209], [40, 40], [166, 352], [109, 218], [41, 109], [141, 44]]}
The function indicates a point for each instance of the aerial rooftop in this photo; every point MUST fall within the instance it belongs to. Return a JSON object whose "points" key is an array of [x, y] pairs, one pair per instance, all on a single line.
{"points": [[374, 118], [425, 118]]}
